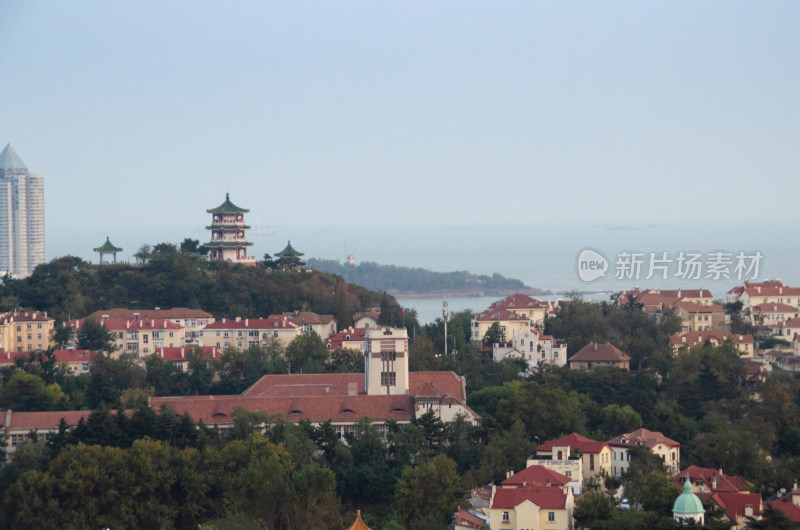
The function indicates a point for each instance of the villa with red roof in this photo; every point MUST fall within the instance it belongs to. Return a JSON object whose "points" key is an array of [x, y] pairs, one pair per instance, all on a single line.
{"points": [[513, 313], [767, 292], [595, 456], [532, 346], [180, 356], [594, 355], [348, 339], [241, 333], [138, 337], [669, 450], [531, 507], [25, 331], [464, 520], [367, 319], [322, 325], [744, 343], [772, 314], [192, 320]]}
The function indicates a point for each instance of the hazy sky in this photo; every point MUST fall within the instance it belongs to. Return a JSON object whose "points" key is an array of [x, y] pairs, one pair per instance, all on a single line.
{"points": [[142, 114]]}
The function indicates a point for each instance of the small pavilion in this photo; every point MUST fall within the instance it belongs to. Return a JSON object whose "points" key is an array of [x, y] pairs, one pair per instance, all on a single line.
{"points": [[107, 248], [289, 258]]}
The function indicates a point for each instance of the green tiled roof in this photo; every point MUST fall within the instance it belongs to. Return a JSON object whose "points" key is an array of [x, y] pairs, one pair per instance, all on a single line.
{"points": [[227, 207], [107, 247], [288, 252], [228, 244]]}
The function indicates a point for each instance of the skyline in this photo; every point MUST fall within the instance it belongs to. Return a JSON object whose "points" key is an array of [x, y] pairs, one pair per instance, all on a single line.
{"points": [[323, 117]]}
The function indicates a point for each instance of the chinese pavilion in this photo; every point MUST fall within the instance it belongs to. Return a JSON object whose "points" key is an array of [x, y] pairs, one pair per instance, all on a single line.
{"points": [[227, 227], [107, 248], [289, 258]]}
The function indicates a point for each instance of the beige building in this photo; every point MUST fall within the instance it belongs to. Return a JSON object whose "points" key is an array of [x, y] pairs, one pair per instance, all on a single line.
{"points": [[242, 333], [744, 343], [138, 337], [669, 450], [193, 321], [561, 460], [514, 313], [772, 314], [767, 292], [367, 319], [322, 325], [531, 508], [594, 355], [25, 331], [697, 317], [595, 456]]}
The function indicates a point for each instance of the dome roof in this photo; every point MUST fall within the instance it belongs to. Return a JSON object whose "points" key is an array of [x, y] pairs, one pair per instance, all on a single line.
{"points": [[687, 502]]}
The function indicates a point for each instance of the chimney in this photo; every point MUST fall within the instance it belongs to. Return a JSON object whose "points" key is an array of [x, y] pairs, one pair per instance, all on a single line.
{"points": [[165, 324], [135, 316], [223, 320], [595, 346], [748, 510], [127, 324], [182, 353], [352, 389], [238, 319], [246, 322]]}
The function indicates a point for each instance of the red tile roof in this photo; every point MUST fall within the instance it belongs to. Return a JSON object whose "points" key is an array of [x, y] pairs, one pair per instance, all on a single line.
{"points": [[336, 340], [701, 337], [642, 437], [710, 477], [550, 498], [600, 353], [42, 420], [498, 314], [574, 441], [220, 409], [299, 317], [373, 312], [775, 308], [72, 356], [272, 322], [24, 316], [170, 314], [734, 504], [121, 324], [537, 476], [468, 519], [770, 288], [447, 382]]}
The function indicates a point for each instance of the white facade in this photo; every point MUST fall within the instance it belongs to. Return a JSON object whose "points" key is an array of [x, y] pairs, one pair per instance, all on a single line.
{"points": [[386, 361], [21, 216]]}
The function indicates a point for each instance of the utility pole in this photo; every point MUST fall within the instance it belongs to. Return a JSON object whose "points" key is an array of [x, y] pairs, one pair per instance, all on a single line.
{"points": [[446, 315]]}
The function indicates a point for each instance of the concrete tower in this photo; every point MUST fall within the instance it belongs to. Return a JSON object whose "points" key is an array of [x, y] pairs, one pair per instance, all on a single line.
{"points": [[21, 216], [386, 361]]}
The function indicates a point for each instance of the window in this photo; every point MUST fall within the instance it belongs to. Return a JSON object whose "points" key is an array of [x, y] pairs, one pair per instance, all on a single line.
{"points": [[145, 338], [505, 517], [388, 355], [388, 378], [39, 326], [85, 368], [29, 336], [551, 516]]}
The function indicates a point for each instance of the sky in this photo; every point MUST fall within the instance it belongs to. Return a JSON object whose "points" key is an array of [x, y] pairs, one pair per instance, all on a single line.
{"points": [[342, 117]]}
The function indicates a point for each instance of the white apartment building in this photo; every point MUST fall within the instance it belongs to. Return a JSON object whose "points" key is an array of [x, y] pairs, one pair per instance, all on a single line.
{"points": [[21, 216]]}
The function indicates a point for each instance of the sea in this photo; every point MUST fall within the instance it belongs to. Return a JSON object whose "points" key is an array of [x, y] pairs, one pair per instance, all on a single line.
{"points": [[540, 255]]}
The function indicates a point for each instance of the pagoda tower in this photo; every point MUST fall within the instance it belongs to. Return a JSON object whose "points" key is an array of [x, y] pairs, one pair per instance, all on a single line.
{"points": [[228, 241]]}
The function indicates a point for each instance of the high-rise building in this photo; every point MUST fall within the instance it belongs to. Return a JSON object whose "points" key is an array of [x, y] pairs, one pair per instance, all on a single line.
{"points": [[21, 216]]}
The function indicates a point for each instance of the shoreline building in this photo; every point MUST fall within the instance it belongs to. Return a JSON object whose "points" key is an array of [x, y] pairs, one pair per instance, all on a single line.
{"points": [[21, 216], [228, 241]]}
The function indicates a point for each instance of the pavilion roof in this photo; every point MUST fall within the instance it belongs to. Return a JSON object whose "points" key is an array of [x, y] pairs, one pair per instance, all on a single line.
{"points": [[107, 247], [289, 251], [227, 207]]}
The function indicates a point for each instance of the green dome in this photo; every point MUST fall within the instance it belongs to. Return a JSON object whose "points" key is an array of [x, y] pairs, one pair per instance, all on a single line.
{"points": [[687, 502]]}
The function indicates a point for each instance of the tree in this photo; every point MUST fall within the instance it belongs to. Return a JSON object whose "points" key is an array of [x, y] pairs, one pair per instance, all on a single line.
{"points": [[591, 507], [94, 336], [428, 494], [494, 335], [307, 353], [143, 254], [346, 360]]}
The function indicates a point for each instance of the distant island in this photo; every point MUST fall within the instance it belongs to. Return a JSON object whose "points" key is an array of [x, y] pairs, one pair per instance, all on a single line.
{"points": [[417, 282]]}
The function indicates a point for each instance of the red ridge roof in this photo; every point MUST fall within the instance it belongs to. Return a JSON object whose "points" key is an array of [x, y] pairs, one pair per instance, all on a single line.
{"points": [[574, 441]]}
